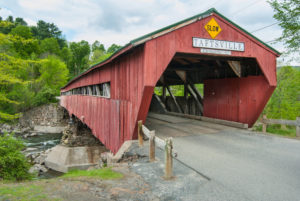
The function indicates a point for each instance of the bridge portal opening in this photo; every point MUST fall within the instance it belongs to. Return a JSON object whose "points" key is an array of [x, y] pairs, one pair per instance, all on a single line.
{"points": [[182, 87]]}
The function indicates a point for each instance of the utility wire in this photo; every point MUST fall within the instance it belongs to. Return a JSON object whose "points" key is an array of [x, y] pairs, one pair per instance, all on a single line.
{"points": [[244, 8], [265, 27]]}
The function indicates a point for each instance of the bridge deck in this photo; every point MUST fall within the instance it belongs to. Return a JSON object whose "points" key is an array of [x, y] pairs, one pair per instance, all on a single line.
{"points": [[171, 126]]}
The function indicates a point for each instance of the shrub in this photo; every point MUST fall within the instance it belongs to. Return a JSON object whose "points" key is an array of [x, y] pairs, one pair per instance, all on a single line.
{"points": [[13, 164]]}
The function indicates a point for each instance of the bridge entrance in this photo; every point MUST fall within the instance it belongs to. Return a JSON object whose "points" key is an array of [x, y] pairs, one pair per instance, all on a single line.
{"points": [[187, 81]]}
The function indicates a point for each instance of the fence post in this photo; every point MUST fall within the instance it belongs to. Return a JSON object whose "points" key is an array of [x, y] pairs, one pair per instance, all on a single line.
{"points": [[152, 146], [264, 126], [140, 133], [168, 159], [298, 127]]}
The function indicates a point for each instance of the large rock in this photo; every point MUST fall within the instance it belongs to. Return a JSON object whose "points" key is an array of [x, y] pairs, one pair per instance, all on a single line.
{"points": [[63, 158]]}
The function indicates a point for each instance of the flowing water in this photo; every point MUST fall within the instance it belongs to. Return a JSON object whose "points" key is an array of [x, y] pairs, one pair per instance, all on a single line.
{"points": [[42, 142]]}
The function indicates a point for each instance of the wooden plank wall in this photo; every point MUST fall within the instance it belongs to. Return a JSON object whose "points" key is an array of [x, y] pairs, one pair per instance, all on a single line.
{"points": [[112, 120], [236, 99]]}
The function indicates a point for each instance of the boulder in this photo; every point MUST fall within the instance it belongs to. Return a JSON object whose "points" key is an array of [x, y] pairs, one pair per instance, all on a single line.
{"points": [[37, 168]]}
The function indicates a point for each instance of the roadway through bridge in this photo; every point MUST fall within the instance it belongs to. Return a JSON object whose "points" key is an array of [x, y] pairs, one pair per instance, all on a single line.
{"points": [[241, 165]]}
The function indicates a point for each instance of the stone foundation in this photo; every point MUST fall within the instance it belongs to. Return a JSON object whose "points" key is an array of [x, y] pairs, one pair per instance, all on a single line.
{"points": [[45, 115]]}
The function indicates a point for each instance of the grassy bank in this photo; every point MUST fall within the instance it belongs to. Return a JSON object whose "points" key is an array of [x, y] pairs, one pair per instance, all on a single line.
{"points": [[46, 189], [105, 173], [289, 131]]}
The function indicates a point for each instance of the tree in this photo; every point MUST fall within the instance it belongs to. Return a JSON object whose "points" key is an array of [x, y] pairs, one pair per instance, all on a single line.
{"points": [[49, 46], [80, 56], [20, 21], [54, 73], [98, 46], [48, 30], [6, 27], [284, 103], [10, 19], [22, 31], [113, 48], [98, 53], [287, 13]]}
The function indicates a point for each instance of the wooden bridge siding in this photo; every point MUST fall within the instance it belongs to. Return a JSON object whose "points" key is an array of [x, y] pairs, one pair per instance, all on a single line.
{"points": [[111, 120], [236, 99]]}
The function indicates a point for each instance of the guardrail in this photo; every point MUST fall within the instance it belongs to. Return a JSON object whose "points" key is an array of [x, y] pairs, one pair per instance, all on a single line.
{"points": [[266, 122], [166, 145]]}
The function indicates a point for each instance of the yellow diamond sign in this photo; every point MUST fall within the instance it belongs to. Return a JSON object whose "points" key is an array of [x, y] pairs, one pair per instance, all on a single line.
{"points": [[213, 28]]}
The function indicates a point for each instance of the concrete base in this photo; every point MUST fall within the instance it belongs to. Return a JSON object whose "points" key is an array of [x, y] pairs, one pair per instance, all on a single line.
{"points": [[63, 159]]}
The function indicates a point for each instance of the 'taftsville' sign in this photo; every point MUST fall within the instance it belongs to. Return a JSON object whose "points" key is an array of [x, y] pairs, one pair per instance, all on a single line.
{"points": [[218, 44]]}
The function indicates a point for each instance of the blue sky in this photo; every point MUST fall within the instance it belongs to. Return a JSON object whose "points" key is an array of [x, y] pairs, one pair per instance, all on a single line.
{"points": [[119, 21]]}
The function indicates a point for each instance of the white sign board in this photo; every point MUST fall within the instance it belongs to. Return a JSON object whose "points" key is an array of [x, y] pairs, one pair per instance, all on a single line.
{"points": [[218, 44]]}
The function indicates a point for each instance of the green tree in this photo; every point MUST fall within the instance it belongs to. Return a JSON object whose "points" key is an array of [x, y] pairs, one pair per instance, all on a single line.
{"points": [[48, 30], [54, 73], [6, 27], [49, 46], [22, 31], [24, 47], [287, 13], [20, 21], [98, 46], [284, 103], [113, 48], [80, 56], [10, 19]]}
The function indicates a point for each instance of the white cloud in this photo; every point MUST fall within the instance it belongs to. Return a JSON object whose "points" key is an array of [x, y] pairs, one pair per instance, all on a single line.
{"points": [[115, 21], [4, 12]]}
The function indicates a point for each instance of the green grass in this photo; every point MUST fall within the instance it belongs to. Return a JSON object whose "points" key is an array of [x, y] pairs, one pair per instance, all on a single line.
{"points": [[24, 192], [105, 173], [290, 131]]}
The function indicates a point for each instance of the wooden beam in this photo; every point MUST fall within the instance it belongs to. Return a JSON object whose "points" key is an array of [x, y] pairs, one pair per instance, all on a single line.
{"points": [[236, 67], [174, 99], [197, 93], [164, 94], [182, 75], [181, 61], [186, 98], [160, 102], [196, 98]]}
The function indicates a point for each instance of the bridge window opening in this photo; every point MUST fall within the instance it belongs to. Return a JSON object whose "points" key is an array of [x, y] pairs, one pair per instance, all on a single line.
{"points": [[181, 87], [100, 90]]}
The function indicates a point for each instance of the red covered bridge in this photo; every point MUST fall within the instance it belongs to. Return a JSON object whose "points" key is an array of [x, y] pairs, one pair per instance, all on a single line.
{"points": [[237, 69]]}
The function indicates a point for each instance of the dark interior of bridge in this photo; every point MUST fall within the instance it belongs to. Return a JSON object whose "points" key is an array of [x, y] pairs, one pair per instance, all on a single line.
{"points": [[188, 72]]}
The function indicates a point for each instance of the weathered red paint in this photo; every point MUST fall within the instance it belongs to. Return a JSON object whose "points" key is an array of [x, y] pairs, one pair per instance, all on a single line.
{"points": [[134, 72]]}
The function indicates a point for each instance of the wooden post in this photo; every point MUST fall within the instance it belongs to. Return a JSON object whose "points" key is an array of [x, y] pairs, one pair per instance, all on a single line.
{"points": [[140, 133], [152, 146], [168, 159], [264, 126], [298, 127]]}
